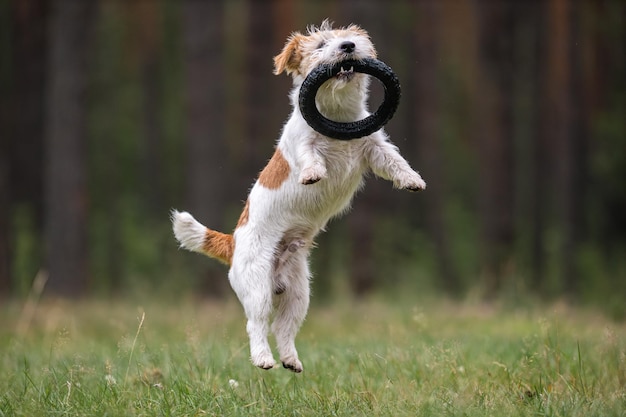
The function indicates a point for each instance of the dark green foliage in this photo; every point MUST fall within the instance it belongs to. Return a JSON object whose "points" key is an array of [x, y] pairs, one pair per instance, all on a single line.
{"points": [[558, 73]]}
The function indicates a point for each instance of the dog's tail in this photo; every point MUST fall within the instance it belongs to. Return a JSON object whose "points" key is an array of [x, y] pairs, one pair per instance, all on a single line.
{"points": [[194, 236]]}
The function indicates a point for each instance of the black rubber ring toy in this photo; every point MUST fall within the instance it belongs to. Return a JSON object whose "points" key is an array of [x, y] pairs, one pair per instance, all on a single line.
{"points": [[359, 128]]}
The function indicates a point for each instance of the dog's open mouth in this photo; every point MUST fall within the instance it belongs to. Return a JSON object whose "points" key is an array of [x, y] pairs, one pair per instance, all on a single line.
{"points": [[345, 74]]}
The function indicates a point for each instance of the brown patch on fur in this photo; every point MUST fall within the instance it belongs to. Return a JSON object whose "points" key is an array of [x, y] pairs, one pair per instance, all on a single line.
{"points": [[289, 58], [219, 246], [243, 219], [275, 172]]}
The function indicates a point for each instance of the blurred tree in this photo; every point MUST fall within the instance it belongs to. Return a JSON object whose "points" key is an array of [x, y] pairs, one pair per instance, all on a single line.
{"points": [[512, 110], [263, 121], [573, 180], [6, 72], [539, 166], [66, 106], [5, 205], [21, 120], [110, 152], [206, 162], [605, 42], [284, 19], [259, 36], [493, 112], [427, 125], [27, 114], [145, 46], [555, 149]]}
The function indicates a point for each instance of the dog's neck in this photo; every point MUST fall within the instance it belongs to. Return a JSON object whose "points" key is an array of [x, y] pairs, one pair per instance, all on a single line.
{"points": [[340, 102]]}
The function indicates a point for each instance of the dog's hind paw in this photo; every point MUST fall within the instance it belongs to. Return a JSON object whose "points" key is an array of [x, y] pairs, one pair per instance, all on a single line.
{"points": [[264, 361], [293, 365]]}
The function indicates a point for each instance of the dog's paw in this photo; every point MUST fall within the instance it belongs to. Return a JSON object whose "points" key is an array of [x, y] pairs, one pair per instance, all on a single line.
{"points": [[264, 361], [296, 244], [412, 182], [418, 186], [312, 174], [293, 364]]}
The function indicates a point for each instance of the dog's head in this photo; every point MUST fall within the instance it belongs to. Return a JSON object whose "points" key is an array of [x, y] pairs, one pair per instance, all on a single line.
{"points": [[323, 45]]}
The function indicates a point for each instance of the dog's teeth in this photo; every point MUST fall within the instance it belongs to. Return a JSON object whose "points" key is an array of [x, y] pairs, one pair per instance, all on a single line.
{"points": [[351, 69], [342, 70]]}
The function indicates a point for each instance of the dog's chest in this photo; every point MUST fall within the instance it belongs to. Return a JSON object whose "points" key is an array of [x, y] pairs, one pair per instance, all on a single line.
{"points": [[344, 163], [345, 168]]}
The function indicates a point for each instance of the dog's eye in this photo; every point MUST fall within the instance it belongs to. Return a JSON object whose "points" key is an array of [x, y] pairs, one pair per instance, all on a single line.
{"points": [[321, 44]]}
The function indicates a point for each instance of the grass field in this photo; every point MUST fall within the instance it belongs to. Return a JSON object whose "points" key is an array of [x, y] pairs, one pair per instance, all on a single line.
{"points": [[361, 359]]}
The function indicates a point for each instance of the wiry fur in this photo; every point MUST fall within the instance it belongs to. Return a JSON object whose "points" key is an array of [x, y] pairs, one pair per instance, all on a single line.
{"points": [[310, 179]]}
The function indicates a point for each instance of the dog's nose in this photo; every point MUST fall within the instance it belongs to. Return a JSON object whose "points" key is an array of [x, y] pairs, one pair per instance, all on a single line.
{"points": [[347, 46]]}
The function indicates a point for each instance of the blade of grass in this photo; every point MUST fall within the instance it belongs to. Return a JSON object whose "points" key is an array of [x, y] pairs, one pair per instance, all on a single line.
{"points": [[132, 349]]}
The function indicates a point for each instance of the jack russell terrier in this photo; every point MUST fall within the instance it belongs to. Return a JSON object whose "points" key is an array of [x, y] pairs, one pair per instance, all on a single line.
{"points": [[309, 180]]}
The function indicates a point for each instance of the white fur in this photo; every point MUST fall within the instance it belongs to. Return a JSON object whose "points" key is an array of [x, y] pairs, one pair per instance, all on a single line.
{"points": [[270, 260], [188, 231]]}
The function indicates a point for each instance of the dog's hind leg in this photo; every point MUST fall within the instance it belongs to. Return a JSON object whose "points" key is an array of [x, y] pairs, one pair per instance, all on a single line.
{"points": [[252, 282], [292, 307], [287, 249]]}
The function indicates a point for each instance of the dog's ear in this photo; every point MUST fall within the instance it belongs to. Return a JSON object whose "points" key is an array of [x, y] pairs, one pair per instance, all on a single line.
{"points": [[289, 58]]}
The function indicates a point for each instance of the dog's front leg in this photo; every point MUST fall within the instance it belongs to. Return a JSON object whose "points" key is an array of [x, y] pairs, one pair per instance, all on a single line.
{"points": [[386, 162], [313, 166]]}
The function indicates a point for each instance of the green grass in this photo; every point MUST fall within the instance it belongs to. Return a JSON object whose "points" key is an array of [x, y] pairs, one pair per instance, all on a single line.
{"points": [[363, 359]]}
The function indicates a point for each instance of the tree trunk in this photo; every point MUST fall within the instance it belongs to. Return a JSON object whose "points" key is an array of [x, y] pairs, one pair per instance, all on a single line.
{"points": [[575, 189], [21, 121], [66, 105], [7, 128], [5, 204], [263, 123], [146, 18], [206, 167], [560, 156], [539, 174], [494, 136], [427, 124]]}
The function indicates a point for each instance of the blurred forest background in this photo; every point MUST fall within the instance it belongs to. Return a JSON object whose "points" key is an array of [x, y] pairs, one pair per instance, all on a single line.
{"points": [[113, 112]]}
